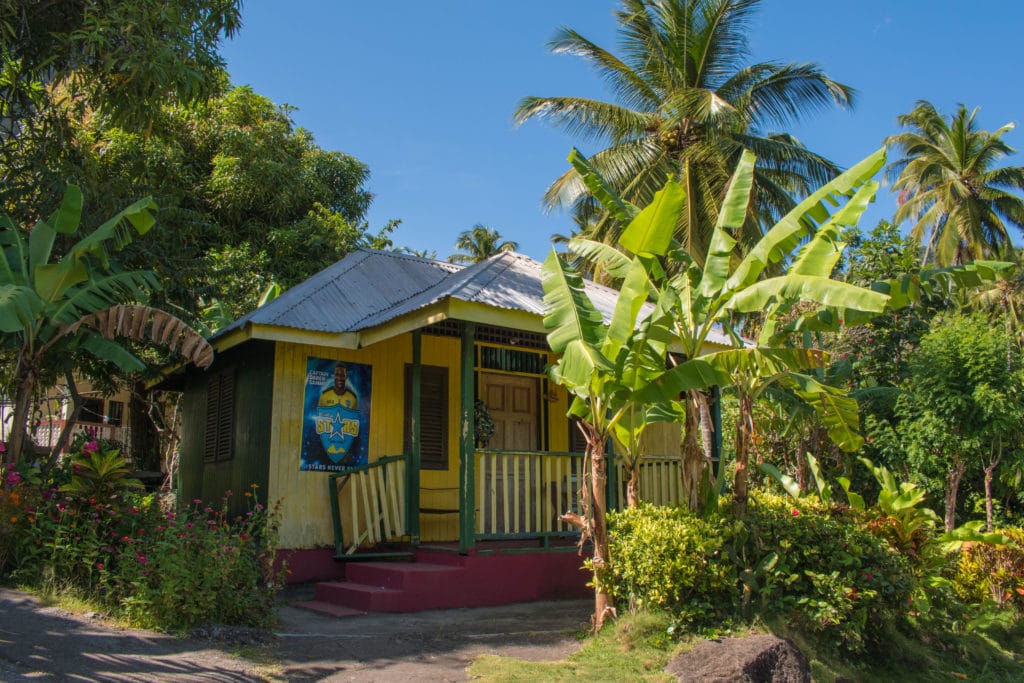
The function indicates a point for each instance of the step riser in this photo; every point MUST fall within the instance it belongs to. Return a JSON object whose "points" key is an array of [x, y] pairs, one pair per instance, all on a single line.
{"points": [[403, 576]]}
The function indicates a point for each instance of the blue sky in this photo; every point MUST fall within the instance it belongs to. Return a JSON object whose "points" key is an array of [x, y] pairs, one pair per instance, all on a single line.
{"points": [[423, 92]]}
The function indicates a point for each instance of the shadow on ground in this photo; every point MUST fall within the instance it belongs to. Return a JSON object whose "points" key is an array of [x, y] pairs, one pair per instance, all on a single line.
{"points": [[40, 643], [45, 643], [436, 645]]}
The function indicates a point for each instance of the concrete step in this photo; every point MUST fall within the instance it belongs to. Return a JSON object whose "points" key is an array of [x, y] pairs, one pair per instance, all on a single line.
{"points": [[328, 608]]}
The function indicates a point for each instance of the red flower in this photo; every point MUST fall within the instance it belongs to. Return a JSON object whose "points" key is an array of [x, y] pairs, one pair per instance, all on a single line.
{"points": [[796, 512]]}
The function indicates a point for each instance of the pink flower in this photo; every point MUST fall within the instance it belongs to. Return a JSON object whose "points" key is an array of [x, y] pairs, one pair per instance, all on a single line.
{"points": [[91, 446], [99, 565], [13, 478], [796, 512], [142, 559], [3, 447]]}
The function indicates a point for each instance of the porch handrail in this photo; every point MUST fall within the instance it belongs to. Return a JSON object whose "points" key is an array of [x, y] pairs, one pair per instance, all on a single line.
{"points": [[378, 512], [660, 479], [522, 493]]}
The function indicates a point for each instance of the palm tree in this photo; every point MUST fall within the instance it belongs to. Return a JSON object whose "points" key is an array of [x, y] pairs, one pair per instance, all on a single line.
{"points": [[479, 244], [948, 186], [688, 106]]}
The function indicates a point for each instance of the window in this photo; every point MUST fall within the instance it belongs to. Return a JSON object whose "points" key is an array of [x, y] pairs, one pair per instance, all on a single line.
{"points": [[220, 417], [433, 416], [115, 413], [92, 410]]}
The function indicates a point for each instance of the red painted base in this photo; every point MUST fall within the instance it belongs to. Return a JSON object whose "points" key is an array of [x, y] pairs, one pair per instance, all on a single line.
{"points": [[441, 580], [315, 564]]}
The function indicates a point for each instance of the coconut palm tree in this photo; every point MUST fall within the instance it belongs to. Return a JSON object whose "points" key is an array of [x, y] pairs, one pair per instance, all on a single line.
{"points": [[948, 185], [688, 104], [479, 244]]}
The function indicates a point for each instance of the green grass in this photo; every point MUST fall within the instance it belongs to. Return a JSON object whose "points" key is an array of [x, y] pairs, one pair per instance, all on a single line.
{"points": [[637, 648], [634, 648]]}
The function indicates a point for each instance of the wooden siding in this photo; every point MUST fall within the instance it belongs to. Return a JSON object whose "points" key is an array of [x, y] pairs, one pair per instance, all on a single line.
{"points": [[306, 513], [253, 366]]}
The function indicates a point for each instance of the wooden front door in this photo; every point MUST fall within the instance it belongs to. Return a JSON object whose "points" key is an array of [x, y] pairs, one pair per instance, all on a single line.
{"points": [[512, 404]]}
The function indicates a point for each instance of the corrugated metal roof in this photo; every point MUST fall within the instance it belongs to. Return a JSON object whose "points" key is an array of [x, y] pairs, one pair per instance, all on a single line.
{"points": [[362, 284], [370, 288]]}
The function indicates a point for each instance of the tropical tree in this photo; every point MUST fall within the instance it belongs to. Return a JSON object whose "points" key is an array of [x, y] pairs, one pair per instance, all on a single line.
{"points": [[960, 203], [717, 295], [479, 244], [119, 60], [688, 105], [963, 406], [52, 309]]}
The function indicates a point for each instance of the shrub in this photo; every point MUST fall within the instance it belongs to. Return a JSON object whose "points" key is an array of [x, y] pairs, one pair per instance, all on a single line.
{"points": [[667, 558], [823, 574], [994, 573], [96, 537]]}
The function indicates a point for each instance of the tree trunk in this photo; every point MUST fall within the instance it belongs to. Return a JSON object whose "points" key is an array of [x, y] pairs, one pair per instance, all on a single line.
{"points": [[592, 523], [744, 437], [952, 487], [707, 425], [692, 454], [69, 423], [599, 528], [990, 472], [803, 470], [633, 485], [19, 422]]}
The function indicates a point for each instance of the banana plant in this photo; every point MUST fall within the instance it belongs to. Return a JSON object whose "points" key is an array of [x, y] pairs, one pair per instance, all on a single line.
{"points": [[606, 367], [718, 295], [51, 309]]}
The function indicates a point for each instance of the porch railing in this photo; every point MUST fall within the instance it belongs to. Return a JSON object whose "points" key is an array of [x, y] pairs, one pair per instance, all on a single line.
{"points": [[660, 480], [522, 493], [374, 497]]}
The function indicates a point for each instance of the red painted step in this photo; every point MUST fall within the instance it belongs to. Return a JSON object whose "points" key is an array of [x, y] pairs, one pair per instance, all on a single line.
{"points": [[441, 580]]}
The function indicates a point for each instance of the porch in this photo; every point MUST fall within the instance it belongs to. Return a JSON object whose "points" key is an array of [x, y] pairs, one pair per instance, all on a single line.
{"points": [[377, 509]]}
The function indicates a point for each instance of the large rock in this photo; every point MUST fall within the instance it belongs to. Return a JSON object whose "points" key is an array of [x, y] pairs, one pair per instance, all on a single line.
{"points": [[756, 659]]}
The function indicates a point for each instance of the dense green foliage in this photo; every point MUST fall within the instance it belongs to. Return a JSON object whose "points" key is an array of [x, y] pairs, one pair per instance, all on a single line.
{"points": [[823, 574], [88, 532], [245, 197], [117, 60]]}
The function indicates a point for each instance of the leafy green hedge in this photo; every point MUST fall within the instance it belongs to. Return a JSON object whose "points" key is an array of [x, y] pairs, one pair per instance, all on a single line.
{"points": [[823, 574]]}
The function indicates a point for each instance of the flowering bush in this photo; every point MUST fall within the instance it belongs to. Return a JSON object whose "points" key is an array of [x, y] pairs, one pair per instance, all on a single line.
{"points": [[96, 536], [824, 574]]}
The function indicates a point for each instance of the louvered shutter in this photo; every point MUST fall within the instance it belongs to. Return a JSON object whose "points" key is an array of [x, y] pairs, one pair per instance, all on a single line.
{"points": [[433, 416], [220, 417]]}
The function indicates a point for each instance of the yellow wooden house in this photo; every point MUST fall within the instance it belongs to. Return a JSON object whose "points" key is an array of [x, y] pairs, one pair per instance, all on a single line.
{"points": [[361, 398]]}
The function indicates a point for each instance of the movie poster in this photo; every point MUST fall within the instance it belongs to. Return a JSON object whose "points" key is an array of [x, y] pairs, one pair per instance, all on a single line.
{"points": [[336, 415]]}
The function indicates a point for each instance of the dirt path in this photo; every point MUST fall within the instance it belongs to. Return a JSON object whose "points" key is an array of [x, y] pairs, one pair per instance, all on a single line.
{"points": [[43, 643]]}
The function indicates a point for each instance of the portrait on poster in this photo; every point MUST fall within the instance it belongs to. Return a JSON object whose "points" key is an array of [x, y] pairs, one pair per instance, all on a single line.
{"points": [[336, 420]]}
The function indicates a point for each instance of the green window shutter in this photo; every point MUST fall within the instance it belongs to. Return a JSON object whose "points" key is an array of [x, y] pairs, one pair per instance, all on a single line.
{"points": [[218, 440], [433, 416]]}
